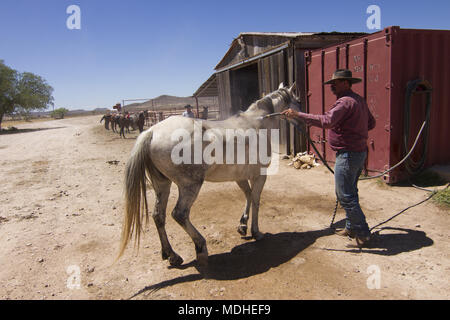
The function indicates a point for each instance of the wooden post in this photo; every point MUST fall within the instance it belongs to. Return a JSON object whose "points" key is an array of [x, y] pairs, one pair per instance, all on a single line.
{"points": [[196, 101]]}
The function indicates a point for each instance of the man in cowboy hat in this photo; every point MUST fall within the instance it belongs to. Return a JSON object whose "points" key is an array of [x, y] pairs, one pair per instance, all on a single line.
{"points": [[188, 113], [348, 121]]}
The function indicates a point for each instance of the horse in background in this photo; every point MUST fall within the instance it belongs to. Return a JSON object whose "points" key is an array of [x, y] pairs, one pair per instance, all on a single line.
{"points": [[124, 124], [140, 121], [115, 122]]}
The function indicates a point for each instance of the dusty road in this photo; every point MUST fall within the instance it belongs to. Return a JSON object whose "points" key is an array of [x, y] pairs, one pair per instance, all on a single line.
{"points": [[61, 212]]}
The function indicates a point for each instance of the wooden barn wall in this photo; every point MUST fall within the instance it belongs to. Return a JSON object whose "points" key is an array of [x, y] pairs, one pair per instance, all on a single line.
{"points": [[272, 71], [224, 88]]}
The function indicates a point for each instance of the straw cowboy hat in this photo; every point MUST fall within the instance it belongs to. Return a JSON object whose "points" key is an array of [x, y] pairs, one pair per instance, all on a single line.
{"points": [[343, 74]]}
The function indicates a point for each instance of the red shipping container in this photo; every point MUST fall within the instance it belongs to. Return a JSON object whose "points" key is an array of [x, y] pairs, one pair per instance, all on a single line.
{"points": [[387, 62]]}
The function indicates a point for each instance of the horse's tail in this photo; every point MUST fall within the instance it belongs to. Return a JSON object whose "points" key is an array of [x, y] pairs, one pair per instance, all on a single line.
{"points": [[135, 190]]}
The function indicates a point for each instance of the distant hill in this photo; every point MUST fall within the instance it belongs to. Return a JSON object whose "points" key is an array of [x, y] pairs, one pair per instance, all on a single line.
{"points": [[161, 103], [167, 102], [100, 110]]}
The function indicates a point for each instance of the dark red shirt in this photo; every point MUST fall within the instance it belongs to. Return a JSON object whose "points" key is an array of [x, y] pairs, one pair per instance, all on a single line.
{"points": [[349, 121]]}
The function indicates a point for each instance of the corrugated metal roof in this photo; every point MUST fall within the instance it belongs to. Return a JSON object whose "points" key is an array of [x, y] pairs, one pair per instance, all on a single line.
{"points": [[208, 88], [280, 34], [239, 42], [256, 57]]}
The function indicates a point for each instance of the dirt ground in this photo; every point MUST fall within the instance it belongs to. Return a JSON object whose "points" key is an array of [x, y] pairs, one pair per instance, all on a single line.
{"points": [[61, 212]]}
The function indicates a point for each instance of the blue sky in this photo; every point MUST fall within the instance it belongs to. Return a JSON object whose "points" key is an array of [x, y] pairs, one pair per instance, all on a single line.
{"points": [[142, 49]]}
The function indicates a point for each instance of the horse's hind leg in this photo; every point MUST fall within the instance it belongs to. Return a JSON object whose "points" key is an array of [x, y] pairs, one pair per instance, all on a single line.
{"points": [[162, 191], [242, 229], [187, 196], [257, 185]]}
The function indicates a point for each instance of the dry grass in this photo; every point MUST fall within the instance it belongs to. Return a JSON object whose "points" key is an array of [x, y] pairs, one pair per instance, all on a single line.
{"points": [[15, 123], [442, 198]]}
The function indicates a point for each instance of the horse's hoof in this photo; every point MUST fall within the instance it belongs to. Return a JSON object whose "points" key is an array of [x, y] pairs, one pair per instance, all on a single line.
{"points": [[175, 260], [164, 255], [242, 229], [258, 236]]}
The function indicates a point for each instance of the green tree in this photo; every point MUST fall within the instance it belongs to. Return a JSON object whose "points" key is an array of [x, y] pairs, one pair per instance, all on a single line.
{"points": [[22, 92], [59, 113]]}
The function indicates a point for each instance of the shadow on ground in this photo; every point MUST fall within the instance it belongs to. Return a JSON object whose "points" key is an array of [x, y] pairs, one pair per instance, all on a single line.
{"points": [[397, 240], [257, 257], [247, 259], [14, 131]]}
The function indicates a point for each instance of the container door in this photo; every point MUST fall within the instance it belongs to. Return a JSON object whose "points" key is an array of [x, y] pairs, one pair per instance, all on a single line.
{"points": [[314, 96], [351, 57], [368, 59], [331, 61], [378, 92]]}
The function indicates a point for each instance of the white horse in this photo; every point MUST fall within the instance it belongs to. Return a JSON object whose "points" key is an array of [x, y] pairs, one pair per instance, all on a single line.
{"points": [[156, 156]]}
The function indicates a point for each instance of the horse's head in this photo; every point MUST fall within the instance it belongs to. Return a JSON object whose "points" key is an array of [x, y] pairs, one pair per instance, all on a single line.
{"points": [[285, 98], [281, 99]]}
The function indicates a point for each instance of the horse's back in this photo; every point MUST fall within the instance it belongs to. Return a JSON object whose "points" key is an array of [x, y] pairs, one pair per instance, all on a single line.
{"points": [[168, 146]]}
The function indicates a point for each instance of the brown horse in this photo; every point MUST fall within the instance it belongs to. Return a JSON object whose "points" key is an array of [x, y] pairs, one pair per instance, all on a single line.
{"points": [[115, 122], [124, 123]]}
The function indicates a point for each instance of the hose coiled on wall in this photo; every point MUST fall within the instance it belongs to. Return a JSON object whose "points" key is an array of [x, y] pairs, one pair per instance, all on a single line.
{"points": [[416, 86]]}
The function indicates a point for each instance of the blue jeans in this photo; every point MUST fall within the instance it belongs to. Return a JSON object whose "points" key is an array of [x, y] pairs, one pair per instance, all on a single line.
{"points": [[347, 169]]}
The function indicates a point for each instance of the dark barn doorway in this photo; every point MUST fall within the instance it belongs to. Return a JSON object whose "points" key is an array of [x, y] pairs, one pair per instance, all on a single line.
{"points": [[244, 87]]}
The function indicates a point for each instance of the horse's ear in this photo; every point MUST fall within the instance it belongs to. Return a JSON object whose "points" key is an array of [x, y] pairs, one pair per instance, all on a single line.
{"points": [[292, 92], [292, 88], [281, 86]]}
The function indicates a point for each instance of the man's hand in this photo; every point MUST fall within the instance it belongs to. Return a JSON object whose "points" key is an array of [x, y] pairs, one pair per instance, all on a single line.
{"points": [[289, 113]]}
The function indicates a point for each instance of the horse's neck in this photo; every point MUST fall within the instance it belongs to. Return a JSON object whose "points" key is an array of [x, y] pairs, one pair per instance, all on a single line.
{"points": [[260, 108], [252, 117]]}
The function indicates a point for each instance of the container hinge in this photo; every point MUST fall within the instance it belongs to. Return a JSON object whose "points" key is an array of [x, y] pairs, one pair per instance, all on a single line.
{"points": [[388, 127], [307, 55], [320, 140], [389, 85], [388, 37]]}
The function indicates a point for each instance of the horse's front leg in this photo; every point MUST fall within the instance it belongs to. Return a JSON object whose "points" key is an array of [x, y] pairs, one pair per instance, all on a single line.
{"points": [[257, 185], [245, 187]]}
